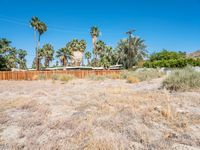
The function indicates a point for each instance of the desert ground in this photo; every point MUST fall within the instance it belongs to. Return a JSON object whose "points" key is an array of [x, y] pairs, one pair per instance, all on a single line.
{"points": [[104, 115]]}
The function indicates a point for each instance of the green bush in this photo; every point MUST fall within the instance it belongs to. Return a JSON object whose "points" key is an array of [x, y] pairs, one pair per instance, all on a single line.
{"points": [[166, 55], [170, 59], [182, 79], [173, 63]]}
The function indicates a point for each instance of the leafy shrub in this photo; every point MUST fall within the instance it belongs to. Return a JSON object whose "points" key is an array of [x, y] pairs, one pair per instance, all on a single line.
{"points": [[182, 79], [173, 63], [166, 55], [66, 78], [132, 79], [170, 59]]}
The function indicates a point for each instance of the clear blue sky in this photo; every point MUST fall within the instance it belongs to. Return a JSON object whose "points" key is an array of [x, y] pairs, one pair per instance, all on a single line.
{"points": [[170, 24]]}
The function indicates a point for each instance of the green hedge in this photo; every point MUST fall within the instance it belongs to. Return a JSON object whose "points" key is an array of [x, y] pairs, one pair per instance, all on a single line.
{"points": [[173, 63]]}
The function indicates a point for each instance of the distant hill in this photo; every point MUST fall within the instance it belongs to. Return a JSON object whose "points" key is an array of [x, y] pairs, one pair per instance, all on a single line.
{"points": [[194, 54]]}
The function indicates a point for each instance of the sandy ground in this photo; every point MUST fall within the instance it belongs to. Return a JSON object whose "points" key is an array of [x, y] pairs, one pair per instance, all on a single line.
{"points": [[107, 115]]}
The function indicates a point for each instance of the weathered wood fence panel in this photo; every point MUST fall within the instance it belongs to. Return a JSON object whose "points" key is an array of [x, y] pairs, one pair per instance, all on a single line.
{"points": [[31, 75]]}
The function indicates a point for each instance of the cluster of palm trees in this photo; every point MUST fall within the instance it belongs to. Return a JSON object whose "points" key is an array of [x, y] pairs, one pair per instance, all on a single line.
{"points": [[39, 28], [127, 52], [10, 57]]}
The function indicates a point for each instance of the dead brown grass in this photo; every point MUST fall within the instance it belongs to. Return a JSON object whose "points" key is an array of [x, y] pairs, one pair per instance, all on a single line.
{"points": [[109, 115]]}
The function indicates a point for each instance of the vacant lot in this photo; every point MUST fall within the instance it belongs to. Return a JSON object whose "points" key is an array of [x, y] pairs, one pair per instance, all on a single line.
{"points": [[107, 115]]}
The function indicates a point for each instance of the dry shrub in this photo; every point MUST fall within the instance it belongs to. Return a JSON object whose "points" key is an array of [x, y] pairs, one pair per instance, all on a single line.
{"points": [[132, 79], [55, 77], [66, 78], [14, 103], [182, 79], [41, 77], [3, 118], [113, 76], [143, 74], [96, 77]]}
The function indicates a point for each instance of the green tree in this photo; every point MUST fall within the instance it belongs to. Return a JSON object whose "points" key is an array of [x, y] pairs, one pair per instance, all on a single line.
{"points": [[166, 55], [88, 57], [47, 52], [94, 32], [21, 58], [100, 48], [39, 27], [106, 57], [130, 56], [77, 46], [11, 58], [64, 54], [8, 55]]}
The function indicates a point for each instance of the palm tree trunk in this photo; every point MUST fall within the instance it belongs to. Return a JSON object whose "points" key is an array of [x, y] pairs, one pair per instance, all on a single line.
{"points": [[38, 60], [88, 61], [46, 62], [94, 40], [65, 61]]}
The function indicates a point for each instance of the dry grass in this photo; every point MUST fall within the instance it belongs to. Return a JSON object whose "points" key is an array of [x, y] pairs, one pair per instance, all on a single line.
{"points": [[132, 79], [91, 115]]}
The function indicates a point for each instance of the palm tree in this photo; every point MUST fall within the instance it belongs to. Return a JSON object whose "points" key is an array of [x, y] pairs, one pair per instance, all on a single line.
{"points": [[42, 27], [64, 54], [11, 58], [88, 57], [39, 27], [100, 48], [77, 47], [48, 52], [4, 45], [21, 58], [106, 57], [130, 56], [94, 32], [34, 23]]}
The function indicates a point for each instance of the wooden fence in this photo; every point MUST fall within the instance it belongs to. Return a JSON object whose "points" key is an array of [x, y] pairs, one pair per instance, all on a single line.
{"points": [[31, 75]]}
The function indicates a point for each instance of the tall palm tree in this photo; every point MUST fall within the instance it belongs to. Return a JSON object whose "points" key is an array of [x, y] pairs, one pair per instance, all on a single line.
{"points": [[41, 29], [88, 57], [34, 24], [21, 58], [130, 56], [94, 32], [48, 52], [65, 55]]}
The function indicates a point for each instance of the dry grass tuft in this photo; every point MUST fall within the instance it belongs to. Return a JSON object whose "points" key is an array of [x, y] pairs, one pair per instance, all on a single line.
{"points": [[131, 79]]}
